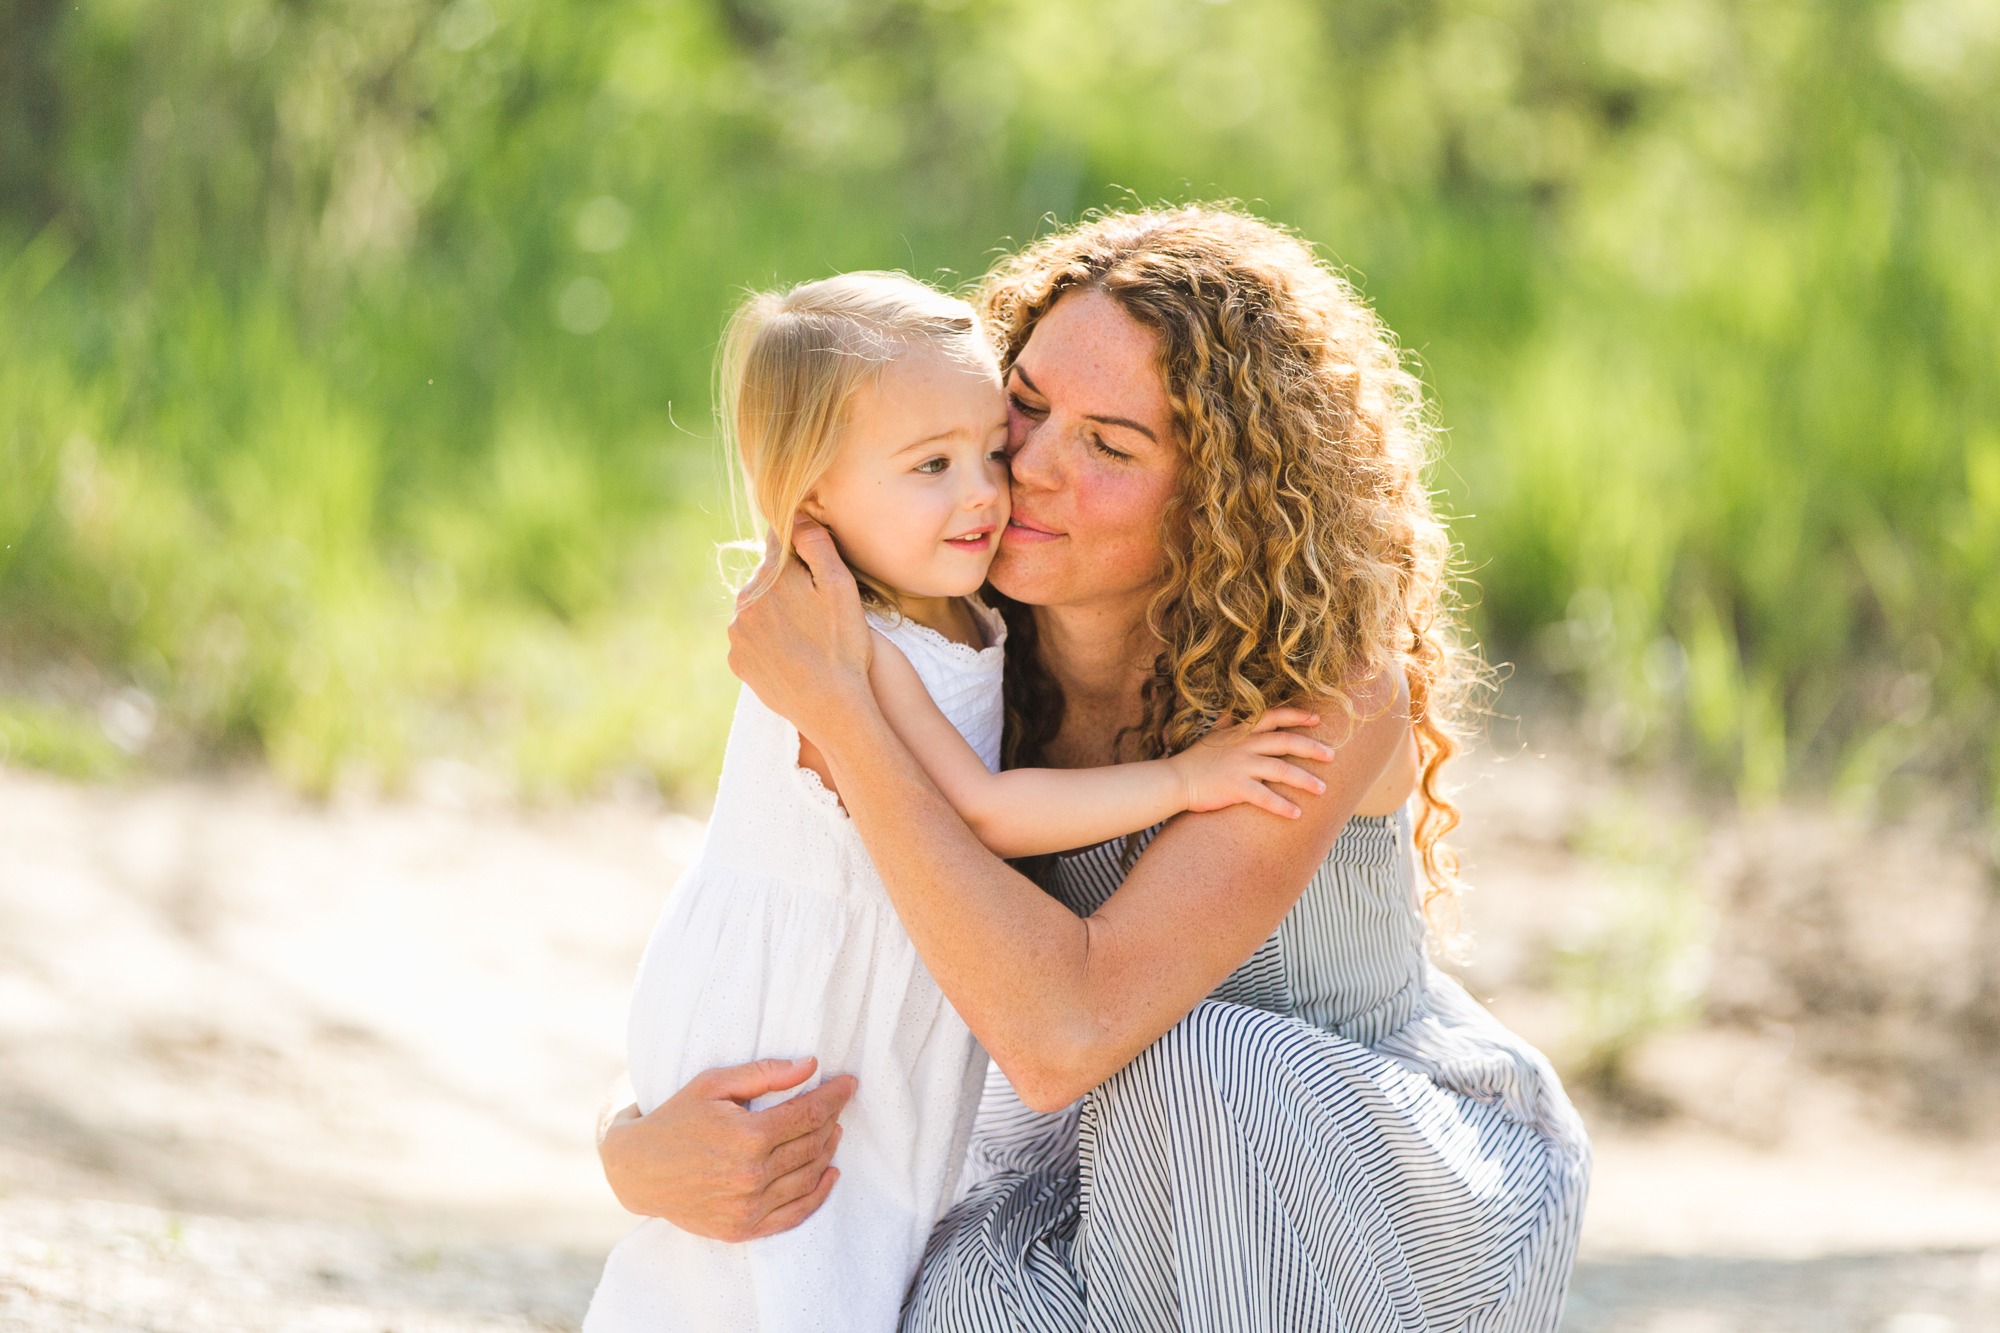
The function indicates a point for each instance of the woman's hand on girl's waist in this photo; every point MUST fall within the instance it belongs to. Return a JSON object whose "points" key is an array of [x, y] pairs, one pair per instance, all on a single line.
{"points": [[706, 1163]]}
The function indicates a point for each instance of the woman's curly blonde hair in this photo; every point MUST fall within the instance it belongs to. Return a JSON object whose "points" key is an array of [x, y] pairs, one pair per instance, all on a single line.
{"points": [[1309, 557]]}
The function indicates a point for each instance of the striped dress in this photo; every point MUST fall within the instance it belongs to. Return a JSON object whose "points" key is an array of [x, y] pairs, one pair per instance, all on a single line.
{"points": [[1338, 1138]]}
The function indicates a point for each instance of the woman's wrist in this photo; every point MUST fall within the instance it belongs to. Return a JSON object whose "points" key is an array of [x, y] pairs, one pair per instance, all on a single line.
{"points": [[847, 717]]}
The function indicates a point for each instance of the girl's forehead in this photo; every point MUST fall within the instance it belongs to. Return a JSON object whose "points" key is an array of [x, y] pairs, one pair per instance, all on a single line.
{"points": [[927, 394]]}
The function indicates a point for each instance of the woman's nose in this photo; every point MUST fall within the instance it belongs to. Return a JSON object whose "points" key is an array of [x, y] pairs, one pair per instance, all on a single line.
{"points": [[1033, 463]]}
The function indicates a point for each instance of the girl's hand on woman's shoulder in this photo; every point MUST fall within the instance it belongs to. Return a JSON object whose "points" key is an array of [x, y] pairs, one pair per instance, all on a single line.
{"points": [[802, 643], [1238, 765]]}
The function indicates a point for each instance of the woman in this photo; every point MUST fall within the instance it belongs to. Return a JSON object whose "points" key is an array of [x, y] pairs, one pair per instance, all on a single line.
{"points": [[1254, 1103]]}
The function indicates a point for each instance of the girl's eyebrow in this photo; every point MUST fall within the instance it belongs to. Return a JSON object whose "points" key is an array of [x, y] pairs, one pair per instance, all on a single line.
{"points": [[954, 433], [951, 434], [1098, 417]]}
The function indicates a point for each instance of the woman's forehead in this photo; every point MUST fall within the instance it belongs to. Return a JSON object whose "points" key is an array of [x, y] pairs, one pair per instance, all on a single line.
{"points": [[1088, 352]]}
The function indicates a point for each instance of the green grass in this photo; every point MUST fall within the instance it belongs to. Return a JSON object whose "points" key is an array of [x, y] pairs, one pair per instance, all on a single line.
{"points": [[353, 358]]}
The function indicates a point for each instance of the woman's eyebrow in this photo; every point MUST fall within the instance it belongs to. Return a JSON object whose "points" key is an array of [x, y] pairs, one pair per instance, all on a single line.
{"points": [[1126, 422]]}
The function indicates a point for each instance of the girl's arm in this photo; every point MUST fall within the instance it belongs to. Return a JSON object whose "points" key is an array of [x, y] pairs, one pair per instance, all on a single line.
{"points": [[1028, 811], [1205, 894]]}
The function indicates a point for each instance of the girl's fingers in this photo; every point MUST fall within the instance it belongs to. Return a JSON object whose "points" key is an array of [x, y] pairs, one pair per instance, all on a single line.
{"points": [[1265, 799], [1294, 743], [1279, 718], [1289, 775], [790, 1215]]}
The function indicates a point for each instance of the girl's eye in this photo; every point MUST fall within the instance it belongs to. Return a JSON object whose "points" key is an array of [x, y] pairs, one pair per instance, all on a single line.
{"points": [[930, 467]]}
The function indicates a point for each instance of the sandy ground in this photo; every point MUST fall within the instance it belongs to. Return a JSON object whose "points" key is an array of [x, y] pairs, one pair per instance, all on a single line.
{"points": [[276, 1066]]}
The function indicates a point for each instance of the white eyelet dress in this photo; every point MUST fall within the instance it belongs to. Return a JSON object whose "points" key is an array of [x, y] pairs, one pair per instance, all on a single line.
{"points": [[1340, 1138], [779, 941]]}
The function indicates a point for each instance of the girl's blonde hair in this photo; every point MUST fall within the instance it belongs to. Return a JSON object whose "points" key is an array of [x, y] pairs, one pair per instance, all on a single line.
{"points": [[1303, 552], [791, 363]]}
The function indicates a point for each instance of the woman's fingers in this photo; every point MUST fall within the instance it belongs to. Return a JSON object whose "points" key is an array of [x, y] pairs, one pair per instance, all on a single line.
{"points": [[797, 1211], [741, 1083], [802, 1151], [807, 1113], [822, 558], [795, 1184]]}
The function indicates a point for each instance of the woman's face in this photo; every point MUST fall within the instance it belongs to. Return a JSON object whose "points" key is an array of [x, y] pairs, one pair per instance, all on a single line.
{"points": [[1091, 444]]}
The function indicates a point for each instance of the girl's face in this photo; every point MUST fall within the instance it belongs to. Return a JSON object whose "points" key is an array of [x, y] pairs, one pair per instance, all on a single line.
{"points": [[1094, 457], [918, 494]]}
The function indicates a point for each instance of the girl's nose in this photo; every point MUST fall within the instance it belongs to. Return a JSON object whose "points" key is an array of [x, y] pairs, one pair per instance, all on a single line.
{"points": [[982, 492]]}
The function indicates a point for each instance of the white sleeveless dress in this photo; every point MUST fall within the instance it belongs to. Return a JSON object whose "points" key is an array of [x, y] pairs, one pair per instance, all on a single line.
{"points": [[780, 941]]}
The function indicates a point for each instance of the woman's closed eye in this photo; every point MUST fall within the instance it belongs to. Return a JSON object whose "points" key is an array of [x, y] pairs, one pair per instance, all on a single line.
{"points": [[1097, 443], [1019, 404]]}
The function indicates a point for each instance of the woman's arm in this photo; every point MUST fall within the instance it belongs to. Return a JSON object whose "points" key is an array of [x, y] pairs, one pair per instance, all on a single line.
{"points": [[1207, 892], [1028, 811]]}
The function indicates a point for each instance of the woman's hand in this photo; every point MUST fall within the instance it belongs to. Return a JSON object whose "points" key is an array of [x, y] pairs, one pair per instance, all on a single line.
{"points": [[704, 1162], [1238, 765], [802, 644]]}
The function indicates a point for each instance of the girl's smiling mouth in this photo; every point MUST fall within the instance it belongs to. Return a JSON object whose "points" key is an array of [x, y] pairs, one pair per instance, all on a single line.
{"points": [[976, 540]]}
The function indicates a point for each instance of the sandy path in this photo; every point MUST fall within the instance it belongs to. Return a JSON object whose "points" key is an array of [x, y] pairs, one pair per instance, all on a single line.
{"points": [[267, 1065]]}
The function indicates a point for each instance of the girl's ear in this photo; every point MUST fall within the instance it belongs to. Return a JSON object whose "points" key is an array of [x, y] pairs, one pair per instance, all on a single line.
{"points": [[813, 509]]}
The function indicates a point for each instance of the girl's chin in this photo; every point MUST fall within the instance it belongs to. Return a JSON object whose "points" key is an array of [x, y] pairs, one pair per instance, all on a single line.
{"points": [[961, 586]]}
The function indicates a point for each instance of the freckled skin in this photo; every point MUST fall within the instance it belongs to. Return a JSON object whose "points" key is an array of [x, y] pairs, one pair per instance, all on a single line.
{"points": [[1085, 360]]}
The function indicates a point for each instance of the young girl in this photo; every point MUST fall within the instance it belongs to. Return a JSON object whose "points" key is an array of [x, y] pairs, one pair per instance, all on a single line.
{"points": [[872, 404]]}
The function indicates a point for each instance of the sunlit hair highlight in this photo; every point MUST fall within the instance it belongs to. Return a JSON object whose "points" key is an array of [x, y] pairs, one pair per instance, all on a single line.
{"points": [[1303, 553], [791, 363]]}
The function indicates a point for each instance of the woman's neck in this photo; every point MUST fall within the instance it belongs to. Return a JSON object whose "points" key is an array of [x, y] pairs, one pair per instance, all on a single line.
{"points": [[1100, 657]]}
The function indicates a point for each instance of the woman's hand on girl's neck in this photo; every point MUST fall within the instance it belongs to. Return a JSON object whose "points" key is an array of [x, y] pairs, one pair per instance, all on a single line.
{"points": [[803, 644]]}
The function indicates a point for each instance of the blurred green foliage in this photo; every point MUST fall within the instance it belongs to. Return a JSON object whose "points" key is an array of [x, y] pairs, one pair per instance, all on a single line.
{"points": [[354, 353]]}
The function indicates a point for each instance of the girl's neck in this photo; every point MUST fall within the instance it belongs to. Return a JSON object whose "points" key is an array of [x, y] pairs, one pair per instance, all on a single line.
{"points": [[949, 616]]}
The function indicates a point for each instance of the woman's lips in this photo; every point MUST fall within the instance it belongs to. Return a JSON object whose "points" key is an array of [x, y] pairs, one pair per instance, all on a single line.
{"points": [[1020, 532]]}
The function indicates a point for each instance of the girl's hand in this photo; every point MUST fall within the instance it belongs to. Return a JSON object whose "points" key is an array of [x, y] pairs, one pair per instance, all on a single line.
{"points": [[1234, 764], [707, 1164], [803, 644]]}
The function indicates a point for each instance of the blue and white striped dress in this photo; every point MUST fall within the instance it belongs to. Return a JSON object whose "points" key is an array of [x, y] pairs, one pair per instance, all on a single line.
{"points": [[1339, 1138]]}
